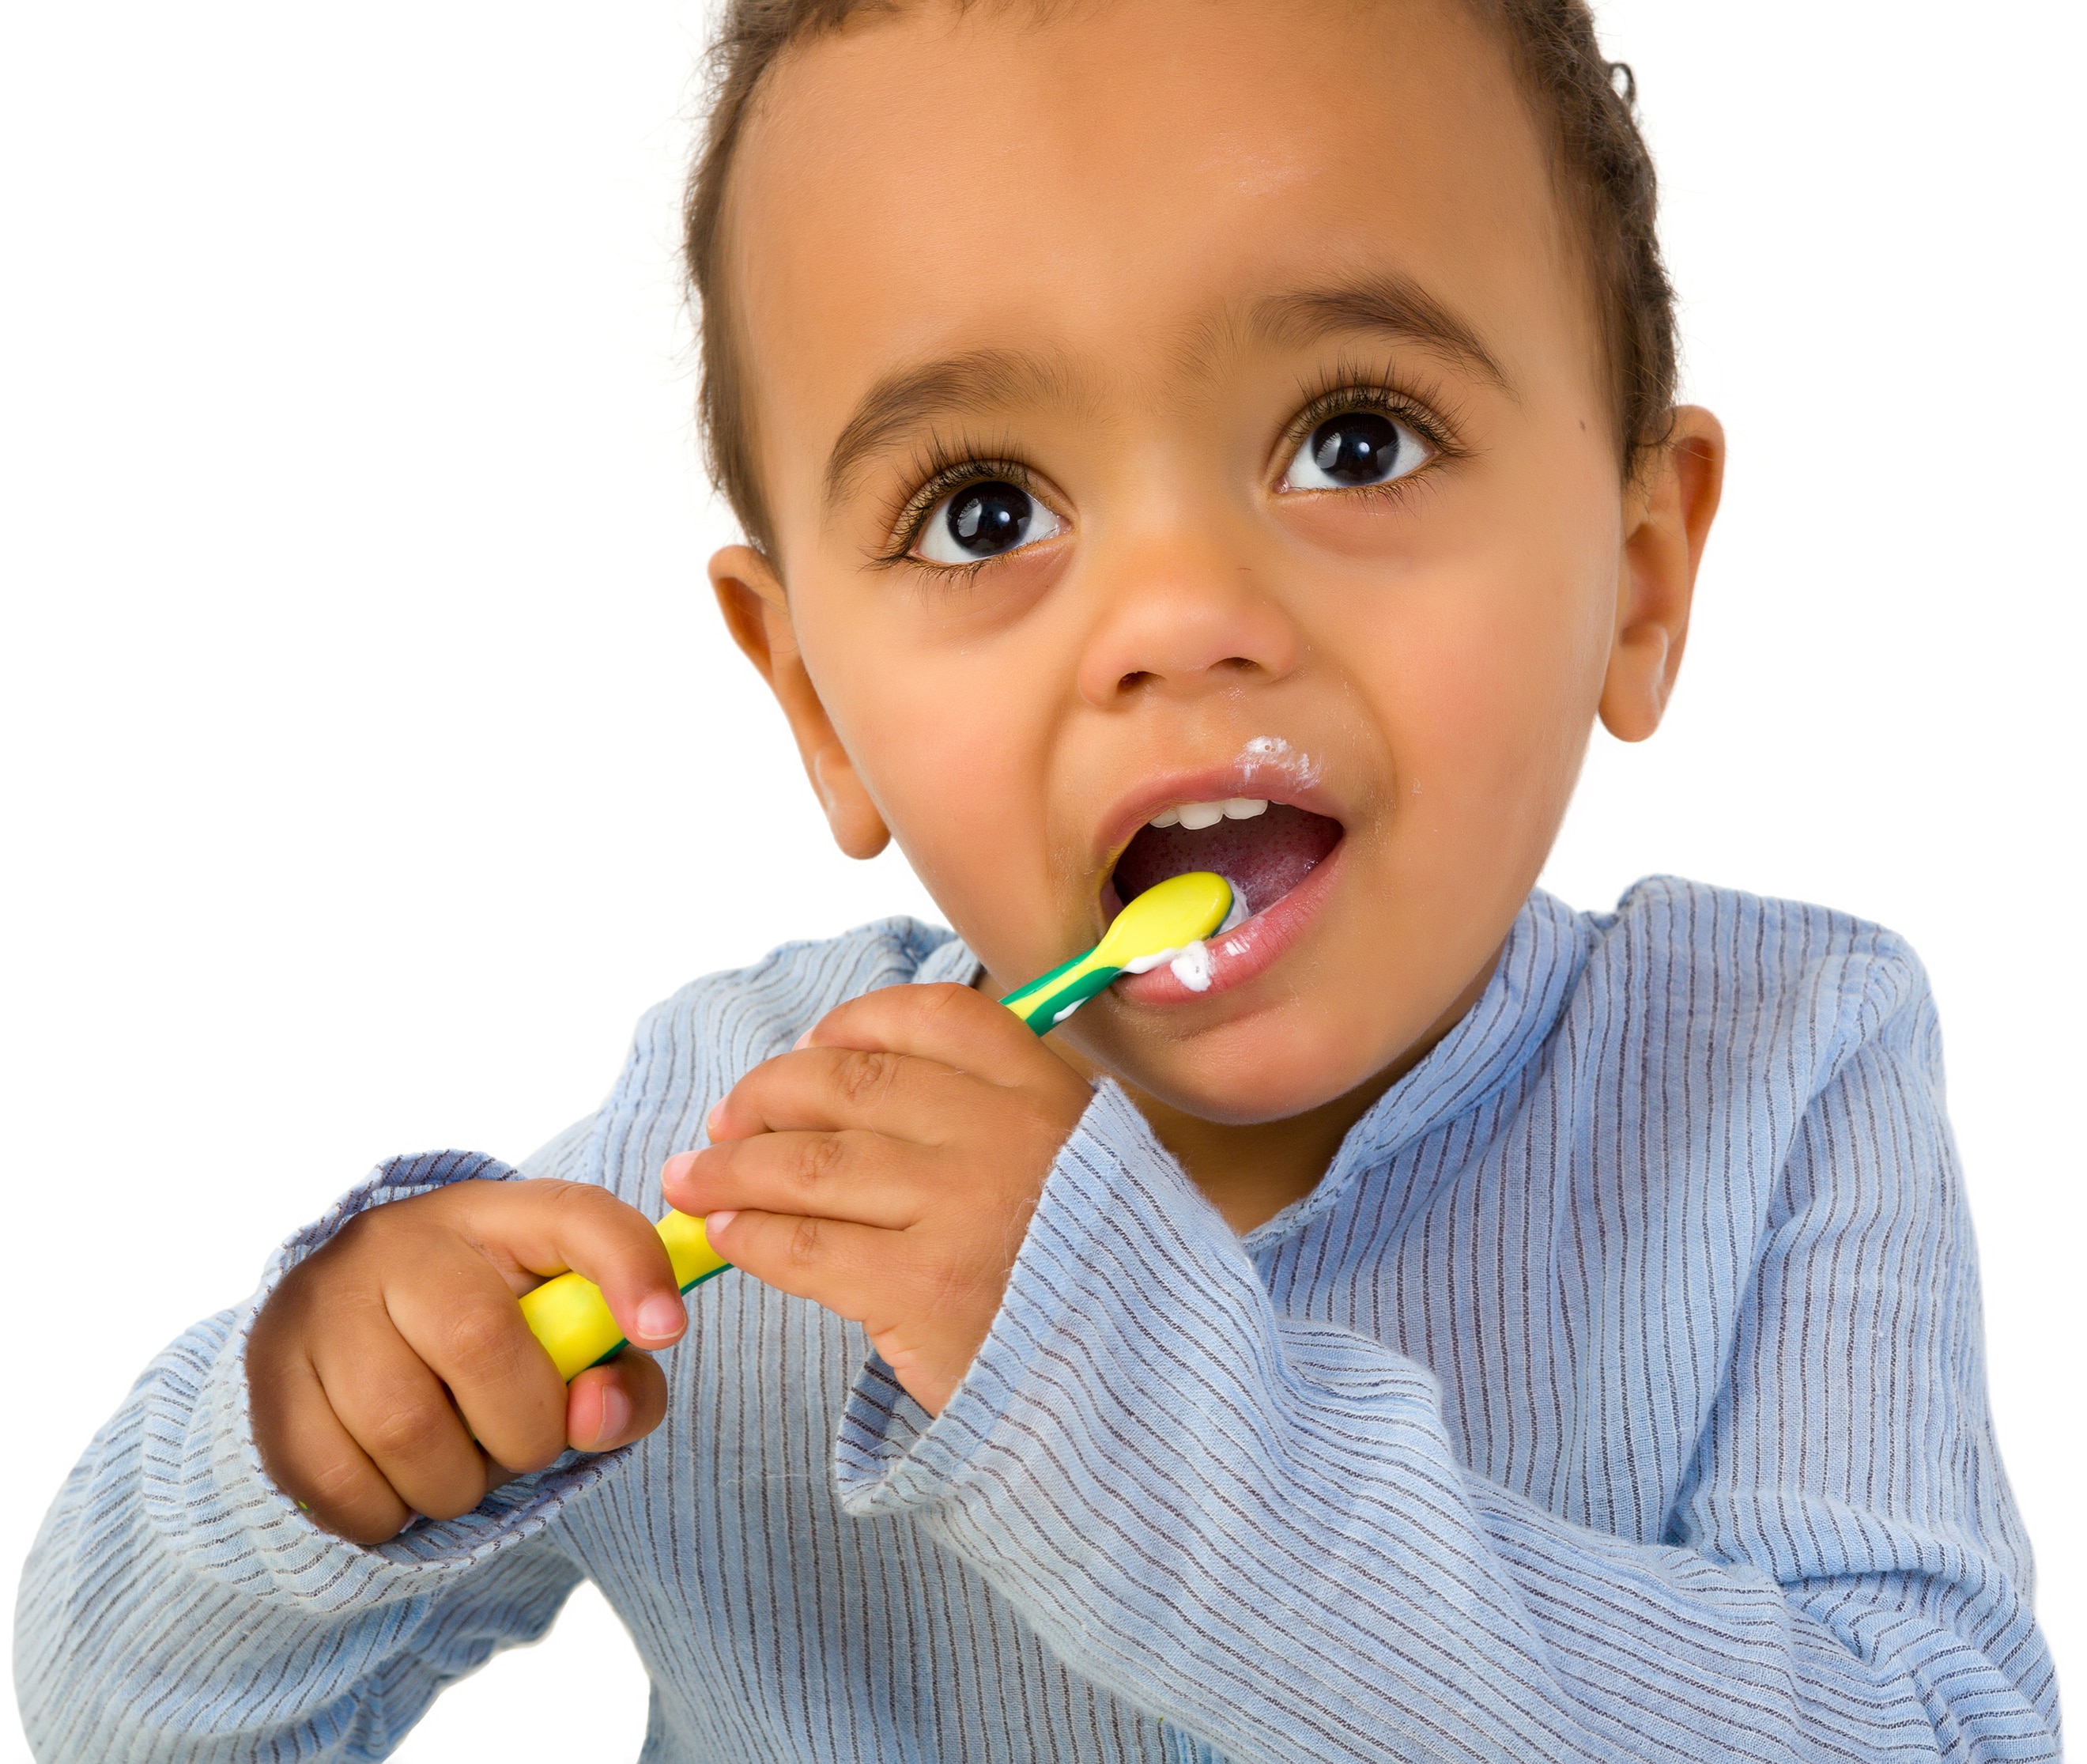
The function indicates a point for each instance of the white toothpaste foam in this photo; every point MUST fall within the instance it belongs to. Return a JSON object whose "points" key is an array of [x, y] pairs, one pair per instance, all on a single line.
{"points": [[1145, 964], [1271, 753], [1191, 967]]}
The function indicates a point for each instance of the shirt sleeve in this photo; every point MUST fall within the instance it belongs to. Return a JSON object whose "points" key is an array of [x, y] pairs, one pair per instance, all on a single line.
{"points": [[178, 1607], [1257, 1529]]}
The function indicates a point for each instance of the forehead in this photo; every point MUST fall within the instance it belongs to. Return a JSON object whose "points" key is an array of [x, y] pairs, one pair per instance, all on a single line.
{"points": [[1115, 185]]}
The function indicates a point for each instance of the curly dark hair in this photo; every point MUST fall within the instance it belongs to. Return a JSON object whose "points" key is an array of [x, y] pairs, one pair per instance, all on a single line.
{"points": [[1604, 174]]}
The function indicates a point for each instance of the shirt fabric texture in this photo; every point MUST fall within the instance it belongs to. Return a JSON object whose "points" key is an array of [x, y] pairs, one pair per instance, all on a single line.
{"points": [[1618, 1394]]}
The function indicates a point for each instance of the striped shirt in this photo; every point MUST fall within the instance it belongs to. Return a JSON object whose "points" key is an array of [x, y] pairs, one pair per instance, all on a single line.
{"points": [[1618, 1393]]}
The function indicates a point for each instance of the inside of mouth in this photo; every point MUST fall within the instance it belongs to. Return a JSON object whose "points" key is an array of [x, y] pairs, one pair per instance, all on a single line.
{"points": [[1263, 858]]}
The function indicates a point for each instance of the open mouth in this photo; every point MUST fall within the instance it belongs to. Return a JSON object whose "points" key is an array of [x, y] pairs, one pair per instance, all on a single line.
{"points": [[1264, 849], [1280, 859]]}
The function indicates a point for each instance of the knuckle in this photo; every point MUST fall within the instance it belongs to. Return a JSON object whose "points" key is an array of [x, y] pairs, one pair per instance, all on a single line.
{"points": [[864, 1077], [819, 1158], [591, 1208], [484, 1341], [804, 1246], [579, 1199], [405, 1433]]}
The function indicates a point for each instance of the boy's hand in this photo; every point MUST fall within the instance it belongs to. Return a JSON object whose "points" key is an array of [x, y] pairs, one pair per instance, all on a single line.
{"points": [[887, 1168], [392, 1372]]}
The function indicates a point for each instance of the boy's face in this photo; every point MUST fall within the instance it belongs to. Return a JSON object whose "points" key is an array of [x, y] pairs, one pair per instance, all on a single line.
{"points": [[1172, 402]]}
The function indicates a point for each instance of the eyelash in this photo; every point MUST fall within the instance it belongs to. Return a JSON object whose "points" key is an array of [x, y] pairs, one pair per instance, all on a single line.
{"points": [[945, 466], [1345, 389]]}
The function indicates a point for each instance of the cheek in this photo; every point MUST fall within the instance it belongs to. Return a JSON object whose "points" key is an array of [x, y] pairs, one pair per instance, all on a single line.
{"points": [[1489, 643], [934, 743], [945, 712]]}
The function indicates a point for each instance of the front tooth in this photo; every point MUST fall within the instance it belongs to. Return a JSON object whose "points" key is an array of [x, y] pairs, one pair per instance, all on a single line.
{"points": [[1165, 818], [1244, 808], [1196, 816]]}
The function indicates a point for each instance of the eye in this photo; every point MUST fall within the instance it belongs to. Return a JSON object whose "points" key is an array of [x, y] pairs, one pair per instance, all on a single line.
{"points": [[1354, 449], [982, 520]]}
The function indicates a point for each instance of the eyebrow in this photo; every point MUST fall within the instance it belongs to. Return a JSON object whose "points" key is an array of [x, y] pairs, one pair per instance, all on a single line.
{"points": [[1390, 304], [901, 401]]}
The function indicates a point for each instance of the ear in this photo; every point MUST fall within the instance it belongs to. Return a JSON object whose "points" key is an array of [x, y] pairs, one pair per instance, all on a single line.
{"points": [[1669, 514], [757, 611]]}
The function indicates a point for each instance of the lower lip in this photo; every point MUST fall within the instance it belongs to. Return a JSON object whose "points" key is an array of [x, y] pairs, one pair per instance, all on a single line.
{"points": [[1249, 949]]}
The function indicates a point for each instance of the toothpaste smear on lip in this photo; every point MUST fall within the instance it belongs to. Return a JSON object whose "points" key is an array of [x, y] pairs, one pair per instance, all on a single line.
{"points": [[1191, 967], [1271, 753], [1190, 963]]}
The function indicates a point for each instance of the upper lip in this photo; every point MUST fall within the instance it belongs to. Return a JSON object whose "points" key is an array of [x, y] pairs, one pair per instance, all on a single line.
{"points": [[1216, 783]]}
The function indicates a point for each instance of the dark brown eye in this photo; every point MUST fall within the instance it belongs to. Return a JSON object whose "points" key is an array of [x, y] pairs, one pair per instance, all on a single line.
{"points": [[982, 520], [1355, 449]]}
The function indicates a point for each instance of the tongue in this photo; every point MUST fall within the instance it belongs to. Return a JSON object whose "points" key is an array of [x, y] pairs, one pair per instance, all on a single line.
{"points": [[1263, 858]]}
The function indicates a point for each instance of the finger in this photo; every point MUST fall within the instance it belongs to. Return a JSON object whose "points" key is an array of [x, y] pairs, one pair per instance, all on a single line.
{"points": [[611, 1405], [852, 1270], [954, 1024], [860, 1177], [829, 1089], [315, 1461], [546, 1227], [398, 1413], [467, 1330]]}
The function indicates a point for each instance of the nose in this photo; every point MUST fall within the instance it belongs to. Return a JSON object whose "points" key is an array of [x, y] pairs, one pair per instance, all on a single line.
{"points": [[1181, 619]]}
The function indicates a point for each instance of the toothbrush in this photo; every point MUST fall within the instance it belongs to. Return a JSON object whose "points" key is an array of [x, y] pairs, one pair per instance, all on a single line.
{"points": [[1161, 922], [569, 1315]]}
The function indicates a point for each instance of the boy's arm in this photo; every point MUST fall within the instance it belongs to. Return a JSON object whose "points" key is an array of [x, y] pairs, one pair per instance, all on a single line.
{"points": [[1259, 1529], [177, 1606]]}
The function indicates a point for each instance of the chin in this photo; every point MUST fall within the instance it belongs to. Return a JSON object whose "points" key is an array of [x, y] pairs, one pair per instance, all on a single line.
{"points": [[1269, 1065]]}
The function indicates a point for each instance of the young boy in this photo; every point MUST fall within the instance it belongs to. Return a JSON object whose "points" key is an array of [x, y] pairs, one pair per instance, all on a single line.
{"points": [[1175, 434]]}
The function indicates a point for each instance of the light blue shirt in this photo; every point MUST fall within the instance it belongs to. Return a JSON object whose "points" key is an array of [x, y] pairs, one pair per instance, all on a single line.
{"points": [[1619, 1394]]}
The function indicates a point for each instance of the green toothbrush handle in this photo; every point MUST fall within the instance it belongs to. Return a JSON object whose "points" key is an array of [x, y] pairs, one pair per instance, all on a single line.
{"points": [[1047, 1001]]}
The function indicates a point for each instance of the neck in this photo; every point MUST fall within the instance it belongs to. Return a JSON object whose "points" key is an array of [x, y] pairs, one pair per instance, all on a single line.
{"points": [[1252, 1172]]}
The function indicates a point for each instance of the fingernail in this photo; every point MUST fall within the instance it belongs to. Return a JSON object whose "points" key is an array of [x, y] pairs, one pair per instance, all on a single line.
{"points": [[677, 1168], [801, 1043], [715, 1222], [615, 1415], [710, 1125], [660, 1316]]}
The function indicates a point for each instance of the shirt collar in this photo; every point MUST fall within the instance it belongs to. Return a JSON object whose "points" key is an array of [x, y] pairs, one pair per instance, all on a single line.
{"points": [[1496, 1037]]}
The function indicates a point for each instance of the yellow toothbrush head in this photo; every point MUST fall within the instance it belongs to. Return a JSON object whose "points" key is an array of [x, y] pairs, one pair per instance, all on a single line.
{"points": [[1169, 916]]}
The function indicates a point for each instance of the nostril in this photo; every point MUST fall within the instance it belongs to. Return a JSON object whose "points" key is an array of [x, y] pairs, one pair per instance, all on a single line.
{"points": [[1130, 682]]}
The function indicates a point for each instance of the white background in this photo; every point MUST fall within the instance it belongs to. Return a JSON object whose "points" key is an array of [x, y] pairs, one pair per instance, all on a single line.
{"points": [[373, 756]]}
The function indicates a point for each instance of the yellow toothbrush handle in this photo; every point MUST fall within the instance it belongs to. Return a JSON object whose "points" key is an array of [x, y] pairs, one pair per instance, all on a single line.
{"points": [[569, 1315]]}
